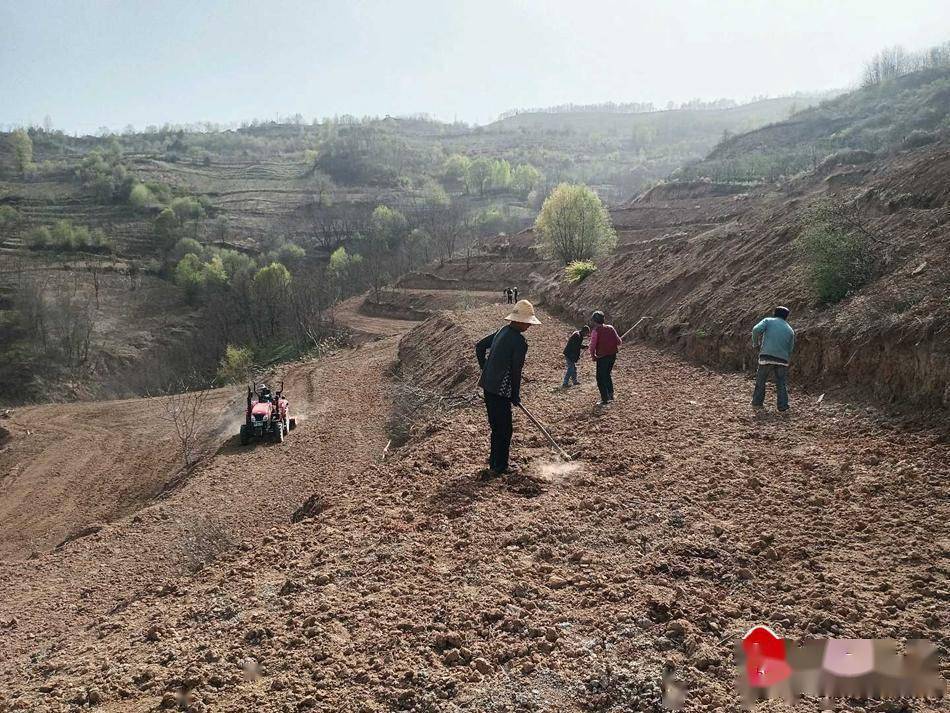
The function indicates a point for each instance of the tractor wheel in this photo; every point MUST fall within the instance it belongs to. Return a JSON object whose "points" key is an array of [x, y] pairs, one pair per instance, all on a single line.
{"points": [[293, 424], [245, 436]]}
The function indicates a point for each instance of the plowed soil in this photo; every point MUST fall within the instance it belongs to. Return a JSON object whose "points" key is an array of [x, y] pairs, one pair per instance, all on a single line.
{"points": [[319, 575]]}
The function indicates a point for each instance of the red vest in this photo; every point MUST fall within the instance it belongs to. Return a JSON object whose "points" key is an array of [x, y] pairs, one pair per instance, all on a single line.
{"points": [[608, 341]]}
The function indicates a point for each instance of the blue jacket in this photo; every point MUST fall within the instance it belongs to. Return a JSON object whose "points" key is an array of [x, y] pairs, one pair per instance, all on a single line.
{"points": [[777, 338]]}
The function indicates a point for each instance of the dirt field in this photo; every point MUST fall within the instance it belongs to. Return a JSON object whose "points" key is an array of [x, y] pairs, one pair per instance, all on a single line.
{"points": [[410, 584]]}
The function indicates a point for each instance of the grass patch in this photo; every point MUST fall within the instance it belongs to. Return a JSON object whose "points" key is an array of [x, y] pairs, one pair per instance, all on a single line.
{"points": [[579, 270]]}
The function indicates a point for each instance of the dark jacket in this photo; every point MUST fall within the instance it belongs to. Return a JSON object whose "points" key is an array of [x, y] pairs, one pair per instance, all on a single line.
{"points": [[501, 370], [572, 352]]}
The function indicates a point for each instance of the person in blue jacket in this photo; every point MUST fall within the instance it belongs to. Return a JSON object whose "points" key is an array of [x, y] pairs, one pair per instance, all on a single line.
{"points": [[775, 339]]}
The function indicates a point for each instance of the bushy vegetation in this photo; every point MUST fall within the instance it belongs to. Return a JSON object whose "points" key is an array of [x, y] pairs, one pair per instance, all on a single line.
{"points": [[9, 216], [22, 146], [65, 237], [904, 103], [236, 364], [838, 261], [373, 155], [579, 270], [574, 225]]}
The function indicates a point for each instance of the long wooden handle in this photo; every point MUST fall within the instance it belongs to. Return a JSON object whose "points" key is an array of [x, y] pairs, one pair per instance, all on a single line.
{"points": [[624, 335], [543, 430]]}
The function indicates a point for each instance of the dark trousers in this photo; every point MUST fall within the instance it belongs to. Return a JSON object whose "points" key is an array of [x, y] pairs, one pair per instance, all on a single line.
{"points": [[780, 374], [499, 418], [604, 381]]}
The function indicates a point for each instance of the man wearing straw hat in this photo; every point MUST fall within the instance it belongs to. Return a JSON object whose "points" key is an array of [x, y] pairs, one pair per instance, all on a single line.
{"points": [[501, 379]]}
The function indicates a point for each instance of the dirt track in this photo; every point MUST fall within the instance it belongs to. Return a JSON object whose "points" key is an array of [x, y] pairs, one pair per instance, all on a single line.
{"points": [[415, 586]]}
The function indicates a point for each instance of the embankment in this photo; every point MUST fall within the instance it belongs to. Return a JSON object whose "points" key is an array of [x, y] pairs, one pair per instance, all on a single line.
{"points": [[706, 265]]}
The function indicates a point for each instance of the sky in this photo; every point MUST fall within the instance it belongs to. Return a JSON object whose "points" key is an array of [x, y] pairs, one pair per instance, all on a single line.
{"points": [[93, 63]]}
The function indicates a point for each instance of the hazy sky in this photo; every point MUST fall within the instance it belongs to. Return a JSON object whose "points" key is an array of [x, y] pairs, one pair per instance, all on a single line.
{"points": [[89, 63]]}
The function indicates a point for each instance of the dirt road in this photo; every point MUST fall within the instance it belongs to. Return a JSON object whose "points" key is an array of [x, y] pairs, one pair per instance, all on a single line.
{"points": [[413, 585]]}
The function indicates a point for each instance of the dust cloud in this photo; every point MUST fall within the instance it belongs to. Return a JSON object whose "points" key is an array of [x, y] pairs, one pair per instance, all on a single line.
{"points": [[556, 471]]}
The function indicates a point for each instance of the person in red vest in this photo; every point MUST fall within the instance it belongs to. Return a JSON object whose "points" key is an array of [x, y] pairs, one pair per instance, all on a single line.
{"points": [[604, 345]]}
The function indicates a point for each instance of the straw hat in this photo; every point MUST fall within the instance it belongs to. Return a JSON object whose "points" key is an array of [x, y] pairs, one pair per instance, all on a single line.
{"points": [[523, 313]]}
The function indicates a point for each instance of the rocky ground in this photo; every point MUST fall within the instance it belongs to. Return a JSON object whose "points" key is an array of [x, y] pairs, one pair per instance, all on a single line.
{"points": [[343, 580]]}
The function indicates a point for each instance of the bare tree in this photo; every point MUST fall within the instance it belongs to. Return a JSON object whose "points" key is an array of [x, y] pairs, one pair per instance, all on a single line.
{"points": [[185, 411], [332, 224]]}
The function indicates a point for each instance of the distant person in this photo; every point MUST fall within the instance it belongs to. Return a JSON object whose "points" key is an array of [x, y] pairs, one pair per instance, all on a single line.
{"points": [[514, 293], [572, 355], [508, 295], [501, 379], [604, 345], [775, 339]]}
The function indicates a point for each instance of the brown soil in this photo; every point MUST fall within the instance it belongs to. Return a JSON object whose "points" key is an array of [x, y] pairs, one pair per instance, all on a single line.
{"points": [[419, 304], [706, 263], [409, 584]]}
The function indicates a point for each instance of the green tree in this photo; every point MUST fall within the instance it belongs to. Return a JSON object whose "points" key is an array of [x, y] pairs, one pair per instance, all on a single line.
{"points": [[418, 244], [390, 226], [185, 246], [574, 225], [166, 229], [236, 365], [189, 275], [271, 290], [500, 175], [455, 170], [236, 263], [479, 175], [141, 197], [213, 272], [290, 254], [22, 146], [186, 208], [525, 178], [377, 259], [343, 271]]}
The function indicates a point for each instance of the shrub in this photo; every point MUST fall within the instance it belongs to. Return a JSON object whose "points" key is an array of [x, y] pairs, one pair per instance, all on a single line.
{"points": [[141, 197], [837, 261], [81, 238], [62, 235], [235, 365], [8, 216], [574, 225], [917, 138], [185, 246], [189, 274], [579, 270], [39, 238]]}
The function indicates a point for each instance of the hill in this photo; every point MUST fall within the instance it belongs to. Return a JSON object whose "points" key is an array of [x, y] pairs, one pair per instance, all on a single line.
{"points": [[903, 112], [116, 211], [705, 260]]}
